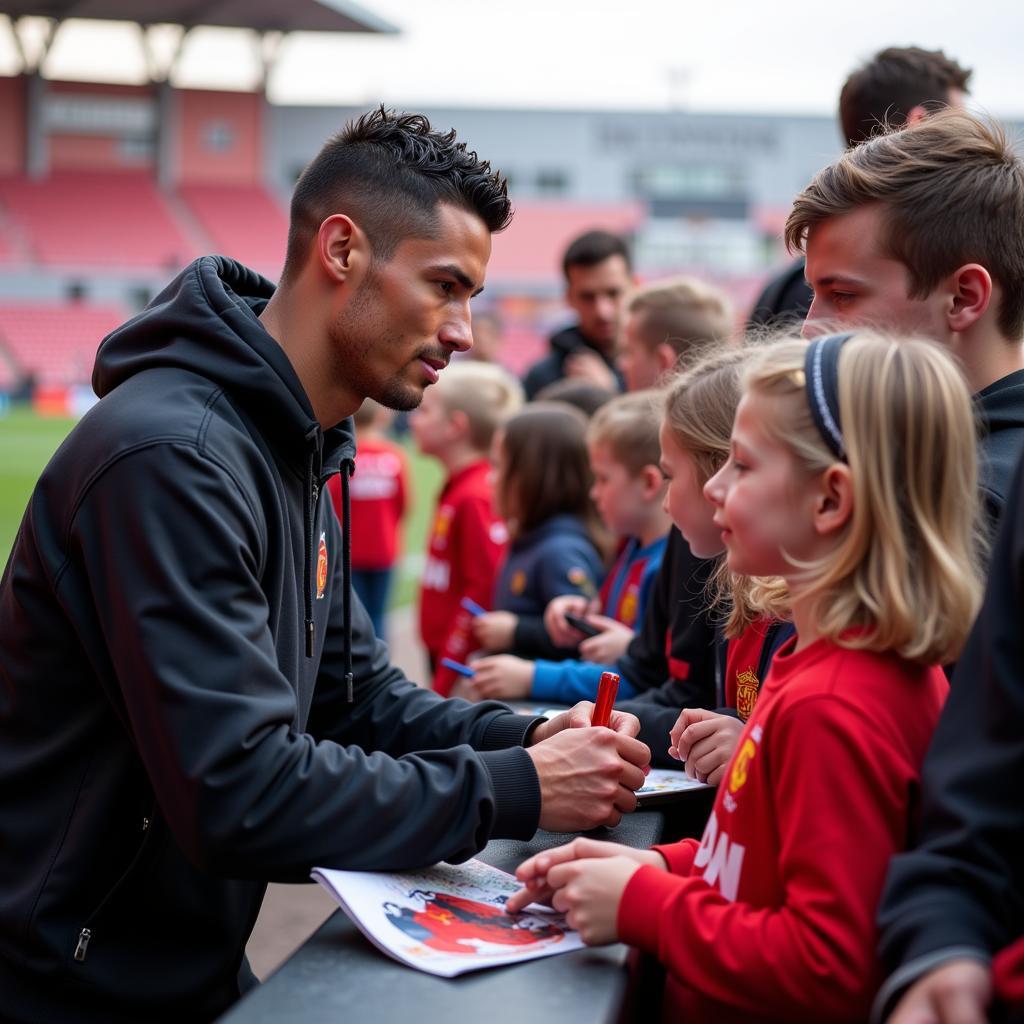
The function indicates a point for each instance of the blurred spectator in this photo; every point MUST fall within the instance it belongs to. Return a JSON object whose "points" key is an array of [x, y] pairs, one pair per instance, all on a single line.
{"points": [[598, 278]]}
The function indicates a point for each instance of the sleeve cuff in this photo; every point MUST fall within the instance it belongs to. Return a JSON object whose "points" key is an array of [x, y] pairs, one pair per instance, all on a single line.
{"points": [[508, 730], [545, 680], [679, 856], [900, 980], [640, 907], [516, 791]]}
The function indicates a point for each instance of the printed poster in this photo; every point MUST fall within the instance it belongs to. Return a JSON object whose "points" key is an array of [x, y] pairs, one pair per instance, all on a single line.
{"points": [[448, 919]]}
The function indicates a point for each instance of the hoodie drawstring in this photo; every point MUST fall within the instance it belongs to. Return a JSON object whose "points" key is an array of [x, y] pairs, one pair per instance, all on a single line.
{"points": [[348, 467], [309, 523]]}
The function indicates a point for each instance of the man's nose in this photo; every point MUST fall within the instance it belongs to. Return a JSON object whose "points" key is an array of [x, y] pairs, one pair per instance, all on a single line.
{"points": [[458, 332]]}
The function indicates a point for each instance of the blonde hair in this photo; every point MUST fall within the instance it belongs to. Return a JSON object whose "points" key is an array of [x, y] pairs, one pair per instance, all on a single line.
{"points": [[905, 574], [700, 406], [485, 393], [686, 314], [629, 426]]}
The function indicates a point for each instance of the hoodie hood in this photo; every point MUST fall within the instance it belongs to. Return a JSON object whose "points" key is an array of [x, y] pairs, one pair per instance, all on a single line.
{"points": [[206, 320]]}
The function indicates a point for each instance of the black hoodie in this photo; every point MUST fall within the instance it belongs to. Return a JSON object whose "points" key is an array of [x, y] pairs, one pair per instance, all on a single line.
{"points": [[552, 367], [176, 727]]}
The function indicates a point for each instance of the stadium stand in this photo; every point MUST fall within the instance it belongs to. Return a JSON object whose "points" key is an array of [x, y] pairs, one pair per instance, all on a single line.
{"points": [[97, 219], [55, 343], [242, 221]]}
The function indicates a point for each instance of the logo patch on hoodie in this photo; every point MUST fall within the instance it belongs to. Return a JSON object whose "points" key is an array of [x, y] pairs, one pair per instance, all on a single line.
{"points": [[321, 567]]}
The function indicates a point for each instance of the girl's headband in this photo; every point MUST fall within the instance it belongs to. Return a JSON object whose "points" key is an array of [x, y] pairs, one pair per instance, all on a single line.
{"points": [[821, 373]]}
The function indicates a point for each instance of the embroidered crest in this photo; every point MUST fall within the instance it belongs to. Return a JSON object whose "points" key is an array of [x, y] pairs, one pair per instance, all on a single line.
{"points": [[518, 582], [746, 693], [321, 566], [579, 578], [627, 607]]}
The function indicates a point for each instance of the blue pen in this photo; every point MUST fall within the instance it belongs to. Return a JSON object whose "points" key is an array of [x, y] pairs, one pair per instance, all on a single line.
{"points": [[457, 666], [472, 607]]}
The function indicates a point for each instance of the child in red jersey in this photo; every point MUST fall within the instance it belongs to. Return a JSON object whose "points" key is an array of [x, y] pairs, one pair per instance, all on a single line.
{"points": [[455, 423], [852, 475], [379, 496]]}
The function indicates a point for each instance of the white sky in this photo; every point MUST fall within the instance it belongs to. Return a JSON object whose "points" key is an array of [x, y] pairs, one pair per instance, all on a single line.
{"points": [[779, 56]]}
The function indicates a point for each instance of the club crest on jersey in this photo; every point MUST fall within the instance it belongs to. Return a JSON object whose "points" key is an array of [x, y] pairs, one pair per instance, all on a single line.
{"points": [[627, 607], [518, 582], [321, 566], [580, 579], [739, 770], [746, 693]]}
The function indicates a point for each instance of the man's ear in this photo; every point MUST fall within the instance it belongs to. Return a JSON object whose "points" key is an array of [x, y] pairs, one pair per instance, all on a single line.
{"points": [[342, 248], [833, 505], [970, 288]]}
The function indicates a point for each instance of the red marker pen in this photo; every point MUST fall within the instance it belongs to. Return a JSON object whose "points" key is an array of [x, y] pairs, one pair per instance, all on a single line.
{"points": [[606, 691]]}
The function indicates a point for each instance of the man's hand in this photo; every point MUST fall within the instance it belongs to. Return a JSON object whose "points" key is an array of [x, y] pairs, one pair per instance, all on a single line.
{"points": [[579, 716], [533, 872], [495, 631], [957, 992], [705, 741], [501, 677], [589, 366], [610, 644], [588, 776], [561, 633]]}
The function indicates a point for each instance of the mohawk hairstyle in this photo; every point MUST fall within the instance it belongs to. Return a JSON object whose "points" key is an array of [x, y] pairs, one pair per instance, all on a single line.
{"points": [[389, 172]]}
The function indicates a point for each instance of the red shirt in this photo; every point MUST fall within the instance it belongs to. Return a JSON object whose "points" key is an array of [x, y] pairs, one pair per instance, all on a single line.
{"points": [[377, 492], [772, 915], [467, 541]]}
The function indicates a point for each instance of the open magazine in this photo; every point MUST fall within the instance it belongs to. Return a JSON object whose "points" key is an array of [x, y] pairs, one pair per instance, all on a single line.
{"points": [[447, 919]]}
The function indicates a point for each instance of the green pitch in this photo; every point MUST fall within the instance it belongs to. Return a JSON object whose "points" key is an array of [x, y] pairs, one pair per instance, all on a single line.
{"points": [[27, 441]]}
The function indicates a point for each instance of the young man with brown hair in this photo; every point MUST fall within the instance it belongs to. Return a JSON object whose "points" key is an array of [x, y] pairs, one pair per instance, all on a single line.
{"points": [[921, 231], [898, 86]]}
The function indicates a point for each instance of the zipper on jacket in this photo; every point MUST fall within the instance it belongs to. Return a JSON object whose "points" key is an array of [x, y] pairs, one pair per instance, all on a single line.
{"points": [[86, 932], [308, 527], [348, 467]]}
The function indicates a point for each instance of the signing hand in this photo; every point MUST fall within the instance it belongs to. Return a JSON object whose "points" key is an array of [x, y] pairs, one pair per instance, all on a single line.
{"points": [[588, 776], [957, 992], [610, 644], [533, 872], [579, 717], [495, 631], [501, 677], [705, 741]]}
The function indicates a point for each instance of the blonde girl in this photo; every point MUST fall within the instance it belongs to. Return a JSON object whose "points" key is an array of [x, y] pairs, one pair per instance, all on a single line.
{"points": [[852, 475]]}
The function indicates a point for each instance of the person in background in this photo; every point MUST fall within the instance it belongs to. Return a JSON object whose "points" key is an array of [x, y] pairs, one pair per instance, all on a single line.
{"points": [[556, 542], [899, 86], [379, 494], [486, 337], [673, 320], [629, 491], [455, 424], [598, 279]]}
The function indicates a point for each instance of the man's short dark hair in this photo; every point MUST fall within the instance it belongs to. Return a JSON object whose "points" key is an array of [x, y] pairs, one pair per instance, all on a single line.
{"points": [[892, 83], [389, 172], [592, 248]]}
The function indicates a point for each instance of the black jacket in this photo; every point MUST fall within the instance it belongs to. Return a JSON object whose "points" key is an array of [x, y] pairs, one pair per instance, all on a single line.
{"points": [[960, 892], [1001, 412], [175, 724], [552, 367], [784, 303]]}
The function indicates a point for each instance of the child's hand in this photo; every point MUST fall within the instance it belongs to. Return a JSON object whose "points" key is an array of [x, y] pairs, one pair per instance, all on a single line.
{"points": [[610, 644], [561, 633], [705, 741], [495, 631], [501, 677], [533, 872], [958, 990]]}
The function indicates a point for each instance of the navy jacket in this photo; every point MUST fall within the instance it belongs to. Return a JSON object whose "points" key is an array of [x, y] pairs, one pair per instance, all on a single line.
{"points": [[176, 727]]}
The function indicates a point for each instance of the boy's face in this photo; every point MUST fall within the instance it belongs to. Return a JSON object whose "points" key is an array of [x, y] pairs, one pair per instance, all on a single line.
{"points": [[856, 285], [618, 494], [431, 423], [638, 363]]}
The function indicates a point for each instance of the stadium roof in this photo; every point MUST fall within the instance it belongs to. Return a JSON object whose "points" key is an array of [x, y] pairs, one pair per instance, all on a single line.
{"points": [[261, 15]]}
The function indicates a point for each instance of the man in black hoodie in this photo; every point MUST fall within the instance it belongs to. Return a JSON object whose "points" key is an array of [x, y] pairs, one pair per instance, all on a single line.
{"points": [[598, 278], [191, 704]]}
